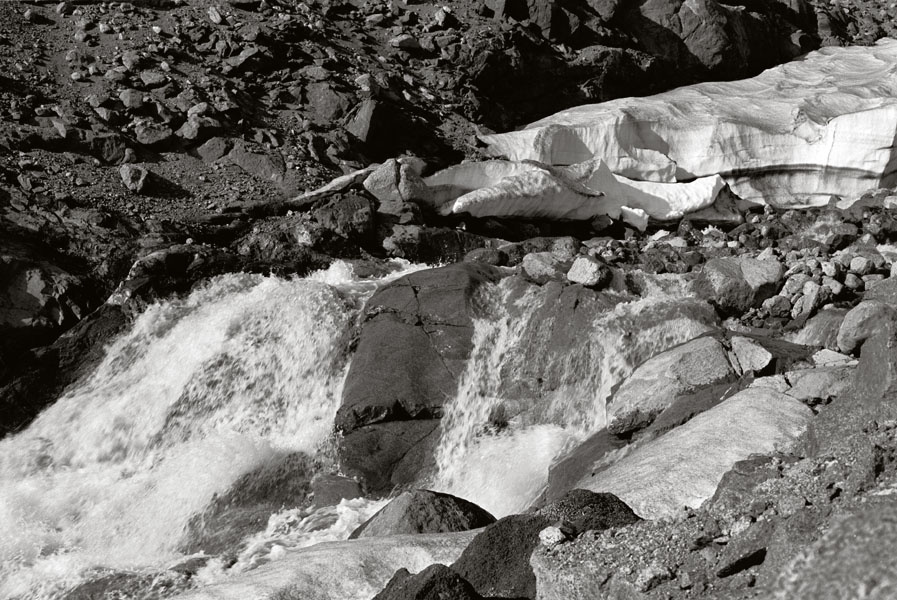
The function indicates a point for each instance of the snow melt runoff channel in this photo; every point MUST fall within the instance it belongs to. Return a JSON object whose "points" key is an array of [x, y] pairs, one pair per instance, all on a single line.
{"points": [[249, 369]]}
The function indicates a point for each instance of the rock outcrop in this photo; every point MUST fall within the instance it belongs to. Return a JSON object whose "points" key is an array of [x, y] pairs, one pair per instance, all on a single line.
{"points": [[676, 470], [413, 347]]}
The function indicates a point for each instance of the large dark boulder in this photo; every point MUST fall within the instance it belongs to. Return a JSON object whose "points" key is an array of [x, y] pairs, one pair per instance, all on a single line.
{"points": [[584, 510], [497, 561], [436, 582], [414, 345], [423, 511]]}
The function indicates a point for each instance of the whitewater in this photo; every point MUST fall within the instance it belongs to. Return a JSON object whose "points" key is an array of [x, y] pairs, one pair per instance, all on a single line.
{"points": [[246, 370]]}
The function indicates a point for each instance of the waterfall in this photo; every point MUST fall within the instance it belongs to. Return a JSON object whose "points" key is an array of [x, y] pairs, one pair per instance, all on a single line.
{"points": [[199, 392], [496, 445]]}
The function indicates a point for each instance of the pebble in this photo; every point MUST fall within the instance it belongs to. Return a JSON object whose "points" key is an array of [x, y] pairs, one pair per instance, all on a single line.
{"points": [[861, 265]]}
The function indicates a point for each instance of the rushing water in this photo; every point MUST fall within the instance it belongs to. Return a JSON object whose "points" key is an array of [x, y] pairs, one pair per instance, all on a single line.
{"points": [[505, 468], [199, 392], [248, 369]]}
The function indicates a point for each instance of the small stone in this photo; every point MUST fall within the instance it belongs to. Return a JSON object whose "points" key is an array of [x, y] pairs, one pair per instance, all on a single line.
{"points": [[405, 42], [778, 306], [652, 576], [214, 15], [152, 78], [133, 177], [130, 59], [835, 286], [853, 282], [590, 272], [541, 267], [795, 284], [131, 98], [552, 536], [861, 265], [831, 269]]}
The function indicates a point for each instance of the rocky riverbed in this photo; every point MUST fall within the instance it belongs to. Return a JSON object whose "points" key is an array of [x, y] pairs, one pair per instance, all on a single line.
{"points": [[648, 351]]}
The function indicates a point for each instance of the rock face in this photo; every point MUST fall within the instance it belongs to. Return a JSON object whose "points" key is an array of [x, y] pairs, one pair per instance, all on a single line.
{"points": [[413, 347], [657, 382], [794, 146], [854, 558], [423, 511], [680, 469]]}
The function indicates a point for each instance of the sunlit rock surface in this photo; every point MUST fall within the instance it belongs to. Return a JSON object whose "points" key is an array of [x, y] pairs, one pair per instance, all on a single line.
{"points": [[683, 467], [354, 570], [794, 135]]}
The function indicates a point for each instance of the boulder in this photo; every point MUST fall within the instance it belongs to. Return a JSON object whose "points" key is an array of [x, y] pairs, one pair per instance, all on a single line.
{"points": [[584, 510], [854, 558], [496, 562], [590, 272], [542, 267], [413, 346], [684, 466], [423, 511], [735, 284], [655, 384], [430, 245], [862, 322], [436, 582], [350, 216], [830, 148], [397, 181], [268, 167], [134, 177]]}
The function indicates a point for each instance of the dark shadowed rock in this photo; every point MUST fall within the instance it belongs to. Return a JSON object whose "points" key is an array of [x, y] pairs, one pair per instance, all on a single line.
{"points": [[389, 454], [413, 346], [563, 475], [329, 490], [585, 510], [497, 561], [350, 216], [423, 511], [436, 582], [244, 509], [431, 245]]}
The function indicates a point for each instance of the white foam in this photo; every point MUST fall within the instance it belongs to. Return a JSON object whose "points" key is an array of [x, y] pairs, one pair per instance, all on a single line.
{"points": [[201, 390]]}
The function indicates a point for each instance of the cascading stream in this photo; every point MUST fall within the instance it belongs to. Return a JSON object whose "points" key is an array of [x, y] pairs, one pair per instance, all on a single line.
{"points": [[503, 467], [199, 392]]}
